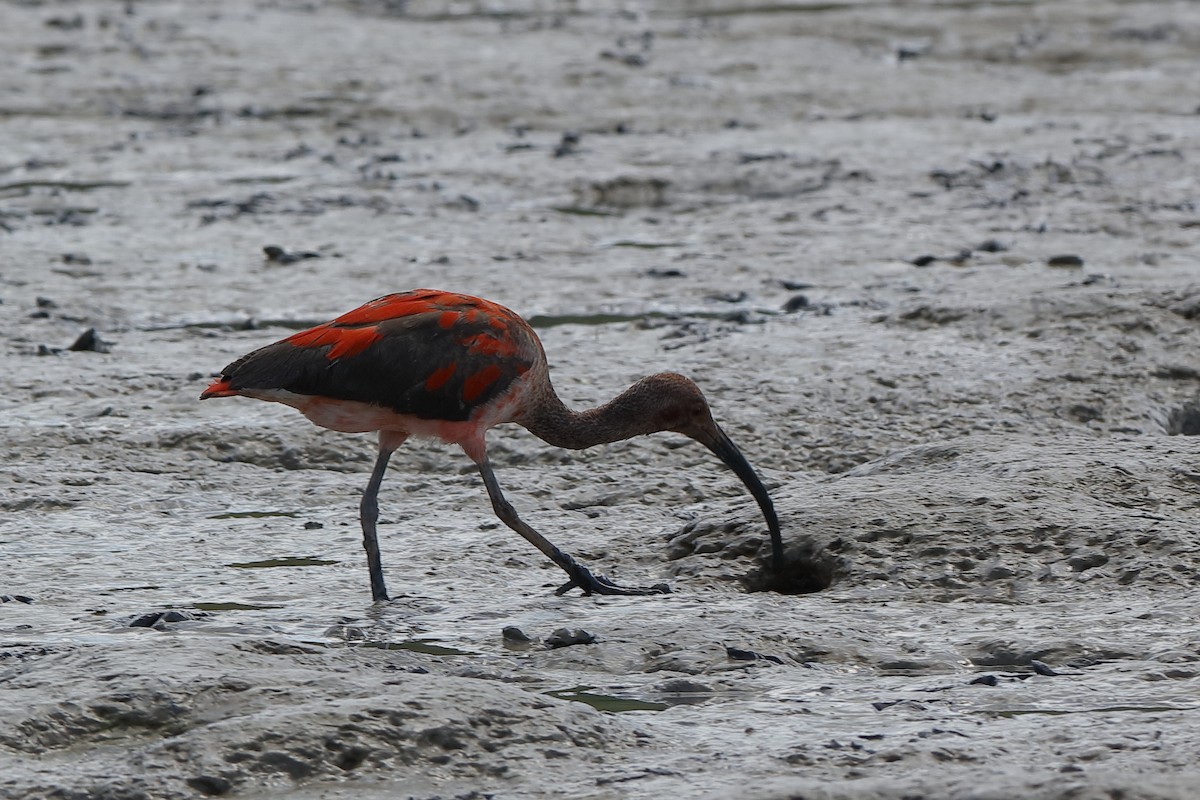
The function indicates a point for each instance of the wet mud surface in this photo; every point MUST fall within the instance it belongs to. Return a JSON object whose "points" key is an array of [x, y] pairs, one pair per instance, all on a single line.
{"points": [[935, 266]]}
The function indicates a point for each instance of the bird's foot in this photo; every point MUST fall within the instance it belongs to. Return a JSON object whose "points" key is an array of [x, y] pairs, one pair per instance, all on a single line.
{"points": [[582, 578]]}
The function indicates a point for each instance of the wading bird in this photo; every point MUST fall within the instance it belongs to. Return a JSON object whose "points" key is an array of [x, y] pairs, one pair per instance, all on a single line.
{"points": [[449, 366]]}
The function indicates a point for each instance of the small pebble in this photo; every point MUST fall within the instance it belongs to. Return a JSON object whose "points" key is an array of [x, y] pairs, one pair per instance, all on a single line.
{"points": [[569, 145], [1043, 669], [628, 59], [512, 633], [88, 341], [737, 654], [984, 680], [277, 255], [153, 618], [565, 637], [923, 261], [66, 23], [1066, 260], [795, 303], [907, 52]]}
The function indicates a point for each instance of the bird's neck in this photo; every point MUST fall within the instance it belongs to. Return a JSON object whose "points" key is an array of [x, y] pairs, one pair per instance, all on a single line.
{"points": [[554, 423]]}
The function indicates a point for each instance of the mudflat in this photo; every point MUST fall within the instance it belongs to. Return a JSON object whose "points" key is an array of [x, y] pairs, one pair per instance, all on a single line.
{"points": [[934, 264]]}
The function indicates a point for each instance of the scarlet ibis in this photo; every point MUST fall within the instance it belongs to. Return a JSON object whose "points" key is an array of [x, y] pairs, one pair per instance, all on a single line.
{"points": [[450, 366]]}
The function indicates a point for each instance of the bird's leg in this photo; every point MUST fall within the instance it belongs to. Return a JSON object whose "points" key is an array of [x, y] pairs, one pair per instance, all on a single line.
{"points": [[580, 576], [369, 515]]}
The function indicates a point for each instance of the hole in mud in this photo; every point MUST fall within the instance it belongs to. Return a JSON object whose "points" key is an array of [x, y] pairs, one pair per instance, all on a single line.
{"points": [[801, 574], [1184, 421], [812, 562]]}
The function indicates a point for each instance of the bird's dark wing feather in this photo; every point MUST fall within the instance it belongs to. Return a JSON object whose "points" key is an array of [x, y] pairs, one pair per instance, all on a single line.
{"points": [[431, 354]]}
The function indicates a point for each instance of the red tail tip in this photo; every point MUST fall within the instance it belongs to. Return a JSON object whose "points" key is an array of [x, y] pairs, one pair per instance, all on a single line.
{"points": [[219, 388]]}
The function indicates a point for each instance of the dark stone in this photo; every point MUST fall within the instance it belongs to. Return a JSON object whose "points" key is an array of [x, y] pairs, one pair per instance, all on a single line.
{"points": [[512, 633], [565, 637], [88, 341], [154, 618], [277, 255], [569, 145], [737, 654], [795, 303]]}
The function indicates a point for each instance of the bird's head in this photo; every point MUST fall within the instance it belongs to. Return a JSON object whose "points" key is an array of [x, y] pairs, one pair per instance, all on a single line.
{"points": [[674, 403]]}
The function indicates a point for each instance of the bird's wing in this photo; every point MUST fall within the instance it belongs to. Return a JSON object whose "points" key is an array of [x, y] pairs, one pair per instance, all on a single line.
{"points": [[434, 355]]}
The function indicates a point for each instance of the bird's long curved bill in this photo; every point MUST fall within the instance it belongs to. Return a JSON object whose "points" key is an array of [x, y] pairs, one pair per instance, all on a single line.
{"points": [[724, 448]]}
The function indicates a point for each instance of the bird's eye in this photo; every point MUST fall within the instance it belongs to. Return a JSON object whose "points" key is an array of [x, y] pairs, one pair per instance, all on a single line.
{"points": [[670, 418]]}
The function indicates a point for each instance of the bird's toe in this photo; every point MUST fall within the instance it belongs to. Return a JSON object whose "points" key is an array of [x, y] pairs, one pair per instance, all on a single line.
{"points": [[589, 584]]}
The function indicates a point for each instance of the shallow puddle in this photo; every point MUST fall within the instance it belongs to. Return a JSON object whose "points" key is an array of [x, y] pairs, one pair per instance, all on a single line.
{"points": [[284, 561], [232, 607], [606, 702]]}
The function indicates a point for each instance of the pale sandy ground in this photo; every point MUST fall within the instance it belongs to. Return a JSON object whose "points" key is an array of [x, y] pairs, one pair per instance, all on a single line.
{"points": [[981, 455]]}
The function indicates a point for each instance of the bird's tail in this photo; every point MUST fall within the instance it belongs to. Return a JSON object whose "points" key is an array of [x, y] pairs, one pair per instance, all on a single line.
{"points": [[219, 388]]}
